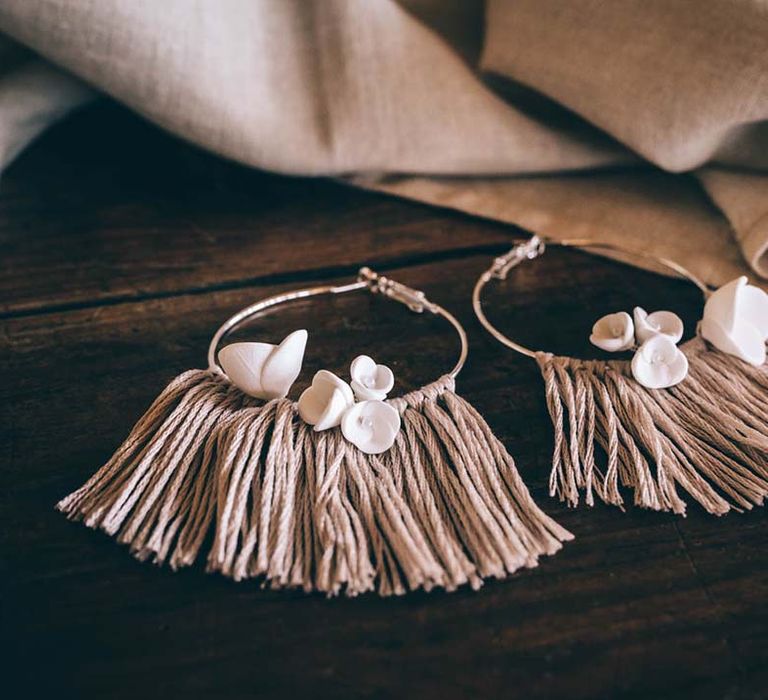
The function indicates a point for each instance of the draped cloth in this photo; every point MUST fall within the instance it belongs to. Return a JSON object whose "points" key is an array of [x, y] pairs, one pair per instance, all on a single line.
{"points": [[638, 122]]}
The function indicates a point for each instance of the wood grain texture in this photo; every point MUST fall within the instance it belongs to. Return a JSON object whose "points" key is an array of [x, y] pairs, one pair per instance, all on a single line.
{"points": [[142, 215], [109, 290]]}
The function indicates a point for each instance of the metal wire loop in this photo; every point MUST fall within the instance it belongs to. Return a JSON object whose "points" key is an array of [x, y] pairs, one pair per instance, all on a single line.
{"points": [[536, 246], [368, 280]]}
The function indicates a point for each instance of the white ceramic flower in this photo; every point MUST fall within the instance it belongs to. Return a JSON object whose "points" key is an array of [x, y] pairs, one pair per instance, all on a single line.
{"points": [[370, 381], [736, 321], [264, 370], [657, 323], [324, 403], [613, 332], [659, 363], [371, 426]]}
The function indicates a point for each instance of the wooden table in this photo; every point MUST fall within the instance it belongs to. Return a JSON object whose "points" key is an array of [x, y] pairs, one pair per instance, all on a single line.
{"points": [[122, 250]]}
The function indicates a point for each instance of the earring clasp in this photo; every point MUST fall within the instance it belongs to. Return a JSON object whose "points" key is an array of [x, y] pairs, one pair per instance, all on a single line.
{"points": [[414, 299], [527, 250]]}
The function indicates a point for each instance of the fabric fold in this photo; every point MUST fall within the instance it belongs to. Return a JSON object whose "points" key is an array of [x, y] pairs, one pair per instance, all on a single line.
{"points": [[299, 87], [648, 211], [677, 82], [529, 112], [33, 96], [743, 197]]}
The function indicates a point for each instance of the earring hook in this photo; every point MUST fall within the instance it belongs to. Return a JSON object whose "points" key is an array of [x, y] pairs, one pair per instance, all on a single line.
{"points": [[536, 246], [414, 299]]}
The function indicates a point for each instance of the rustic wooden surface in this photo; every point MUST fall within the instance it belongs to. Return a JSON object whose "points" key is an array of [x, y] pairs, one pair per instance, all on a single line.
{"points": [[122, 250]]}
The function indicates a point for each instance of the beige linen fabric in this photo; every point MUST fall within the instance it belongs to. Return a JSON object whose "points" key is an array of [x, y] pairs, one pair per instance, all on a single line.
{"points": [[679, 82], [536, 112], [743, 198], [33, 95], [649, 211]]}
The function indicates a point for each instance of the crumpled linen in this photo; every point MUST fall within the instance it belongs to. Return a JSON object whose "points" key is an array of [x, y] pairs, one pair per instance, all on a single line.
{"points": [[642, 122]]}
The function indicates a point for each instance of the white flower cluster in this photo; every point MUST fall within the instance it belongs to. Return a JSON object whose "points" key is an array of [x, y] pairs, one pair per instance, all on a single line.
{"points": [[268, 371], [366, 420], [264, 370], [735, 321], [658, 362]]}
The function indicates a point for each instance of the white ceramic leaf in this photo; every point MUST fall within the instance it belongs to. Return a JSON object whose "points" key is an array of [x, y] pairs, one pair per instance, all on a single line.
{"points": [[370, 382], [284, 364], [721, 305], [659, 363], [657, 323], [264, 370], [614, 332], [371, 426], [736, 321], [753, 305], [324, 402]]}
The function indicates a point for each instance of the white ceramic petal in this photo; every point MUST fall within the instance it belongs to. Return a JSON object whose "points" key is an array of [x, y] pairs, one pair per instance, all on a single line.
{"points": [[324, 402], [264, 370], [748, 343], [362, 366], [370, 382], [659, 363], [736, 321], [721, 305], [742, 340], [363, 393], [614, 332], [284, 364], [242, 363], [753, 307], [371, 426], [333, 411], [658, 323]]}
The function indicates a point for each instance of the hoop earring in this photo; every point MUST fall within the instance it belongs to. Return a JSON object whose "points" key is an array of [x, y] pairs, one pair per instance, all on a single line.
{"points": [[694, 416], [342, 491]]}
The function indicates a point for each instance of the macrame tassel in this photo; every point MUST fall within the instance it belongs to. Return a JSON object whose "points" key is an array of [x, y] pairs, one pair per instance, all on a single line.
{"points": [[155, 493], [708, 435], [443, 507]]}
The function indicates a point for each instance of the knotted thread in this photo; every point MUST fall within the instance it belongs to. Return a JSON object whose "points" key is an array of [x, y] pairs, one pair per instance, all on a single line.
{"points": [[155, 493], [443, 507], [708, 434]]}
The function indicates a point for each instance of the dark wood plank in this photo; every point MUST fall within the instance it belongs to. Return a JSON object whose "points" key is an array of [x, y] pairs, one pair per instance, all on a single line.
{"points": [[640, 605], [120, 259], [84, 218]]}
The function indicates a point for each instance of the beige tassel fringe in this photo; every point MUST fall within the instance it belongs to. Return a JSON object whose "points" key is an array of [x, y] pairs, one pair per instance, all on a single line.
{"points": [[155, 494], [708, 434], [443, 507]]}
